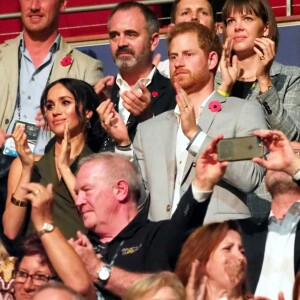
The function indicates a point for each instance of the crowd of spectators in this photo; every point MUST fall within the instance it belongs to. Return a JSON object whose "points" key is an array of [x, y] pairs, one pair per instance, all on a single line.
{"points": [[111, 187]]}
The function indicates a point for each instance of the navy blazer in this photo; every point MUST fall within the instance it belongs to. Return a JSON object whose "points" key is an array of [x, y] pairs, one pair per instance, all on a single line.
{"points": [[254, 240], [163, 98]]}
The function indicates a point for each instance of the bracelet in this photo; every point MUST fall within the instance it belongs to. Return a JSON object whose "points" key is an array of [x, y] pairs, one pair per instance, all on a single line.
{"points": [[20, 203], [224, 94], [124, 148]]}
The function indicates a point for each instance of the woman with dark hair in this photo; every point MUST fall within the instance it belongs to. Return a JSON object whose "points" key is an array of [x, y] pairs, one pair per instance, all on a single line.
{"points": [[248, 68], [69, 108], [217, 252]]}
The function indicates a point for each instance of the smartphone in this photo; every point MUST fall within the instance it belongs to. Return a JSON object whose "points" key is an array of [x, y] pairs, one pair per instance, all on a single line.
{"points": [[240, 148]]}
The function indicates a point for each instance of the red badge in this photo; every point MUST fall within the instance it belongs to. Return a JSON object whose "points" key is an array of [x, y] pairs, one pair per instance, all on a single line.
{"points": [[215, 106], [154, 94]]}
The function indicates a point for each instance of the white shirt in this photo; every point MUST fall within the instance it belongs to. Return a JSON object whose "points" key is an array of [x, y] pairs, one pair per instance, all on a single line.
{"points": [[164, 68], [277, 272], [124, 86], [182, 144]]}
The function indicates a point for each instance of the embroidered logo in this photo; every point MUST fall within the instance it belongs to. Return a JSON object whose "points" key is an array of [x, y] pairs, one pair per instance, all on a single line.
{"points": [[130, 250]]}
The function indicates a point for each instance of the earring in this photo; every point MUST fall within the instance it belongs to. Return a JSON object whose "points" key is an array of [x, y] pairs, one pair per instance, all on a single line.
{"points": [[88, 124]]}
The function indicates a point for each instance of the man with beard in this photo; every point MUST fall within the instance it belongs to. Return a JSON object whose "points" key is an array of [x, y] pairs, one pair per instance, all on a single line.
{"points": [[138, 92], [166, 147], [272, 246]]}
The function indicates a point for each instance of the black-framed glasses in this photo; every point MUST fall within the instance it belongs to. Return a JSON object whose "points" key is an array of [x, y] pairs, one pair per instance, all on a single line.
{"points": [[37, 279]]}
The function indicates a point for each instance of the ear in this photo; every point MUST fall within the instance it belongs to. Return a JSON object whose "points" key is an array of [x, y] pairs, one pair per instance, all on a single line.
{"points": [[266, 30], [213, 60], [154, 41], [63, 5], [88, 114], [121, 190]]}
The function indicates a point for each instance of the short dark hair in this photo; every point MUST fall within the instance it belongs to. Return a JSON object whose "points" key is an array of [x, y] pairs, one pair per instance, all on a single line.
{"points": [[152, 23], [174, 9], [207, 39], [85, 97], [30, 246], [261, 8]]}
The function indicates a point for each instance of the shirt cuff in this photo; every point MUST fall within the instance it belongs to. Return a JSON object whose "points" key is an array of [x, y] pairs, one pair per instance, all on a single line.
{"points": [[127, 152], [200, 196], [196, 143]]}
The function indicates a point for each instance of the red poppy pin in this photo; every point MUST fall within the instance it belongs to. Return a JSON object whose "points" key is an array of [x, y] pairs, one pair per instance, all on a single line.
{"points": [[67, 60], [154, 94], [215, 106]]}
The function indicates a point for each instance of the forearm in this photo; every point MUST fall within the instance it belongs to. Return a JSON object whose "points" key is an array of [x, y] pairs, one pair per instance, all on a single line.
{"points": [[66, 262], [14, 216], [69, 179], [282, 115]]}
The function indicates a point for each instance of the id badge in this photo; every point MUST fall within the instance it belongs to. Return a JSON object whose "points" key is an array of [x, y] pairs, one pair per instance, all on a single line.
{"points": [[31, 131]]}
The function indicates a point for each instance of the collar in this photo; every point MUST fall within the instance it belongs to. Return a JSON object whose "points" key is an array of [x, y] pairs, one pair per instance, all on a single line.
{"points": [[294, 210], [139, 221], [177, 112], [123, 85], [53, 49]]}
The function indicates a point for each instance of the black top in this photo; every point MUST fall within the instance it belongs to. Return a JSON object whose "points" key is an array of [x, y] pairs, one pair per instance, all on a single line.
{"points": [[152, 246], [242, 89]]}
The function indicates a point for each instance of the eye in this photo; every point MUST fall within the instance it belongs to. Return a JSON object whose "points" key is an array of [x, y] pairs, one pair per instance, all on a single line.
{"points": [[229, 21], [113, 35], [248, 19], [132, 34], [184, 13], [188, 54], [172, 57], [49, 106], [204, 13], [66, 102], [41, 277], [22, 274]]}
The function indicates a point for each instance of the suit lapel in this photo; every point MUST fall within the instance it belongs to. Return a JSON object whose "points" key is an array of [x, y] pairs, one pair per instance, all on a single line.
{"points": [[60, 71], [10, 64], [205, 121]]}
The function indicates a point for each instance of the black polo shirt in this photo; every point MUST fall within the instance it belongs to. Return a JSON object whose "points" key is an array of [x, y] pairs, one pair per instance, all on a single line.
{"points": [[148, 246]]}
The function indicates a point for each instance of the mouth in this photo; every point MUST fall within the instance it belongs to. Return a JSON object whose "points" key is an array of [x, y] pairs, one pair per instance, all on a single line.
{"points": [[124, 52], [58, 122], [239, 38], [35, 18]]}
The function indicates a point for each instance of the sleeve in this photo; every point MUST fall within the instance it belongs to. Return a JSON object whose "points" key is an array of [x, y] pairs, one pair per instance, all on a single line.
{"points": [[94, 72], [250, 118], [284, 114]]}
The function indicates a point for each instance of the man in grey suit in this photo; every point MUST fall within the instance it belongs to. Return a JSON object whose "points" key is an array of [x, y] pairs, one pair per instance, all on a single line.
{"points": [[166, 147], [38, 56]]}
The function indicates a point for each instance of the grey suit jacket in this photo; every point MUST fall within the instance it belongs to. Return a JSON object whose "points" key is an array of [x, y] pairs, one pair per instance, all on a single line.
{"points": [[155, 150], [281, 103], [82, 67]]}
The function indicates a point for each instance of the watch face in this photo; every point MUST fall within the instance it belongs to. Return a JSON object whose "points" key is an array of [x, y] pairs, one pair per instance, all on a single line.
{"points": [[104, 273], [48, 227]]}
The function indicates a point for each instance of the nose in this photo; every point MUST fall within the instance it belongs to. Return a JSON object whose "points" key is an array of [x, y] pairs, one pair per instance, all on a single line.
{"points": [[35, 5], [56, 110], [122, 42], [179, 61], [194, 17], [28, 285], [238, 25], [80, 199]]}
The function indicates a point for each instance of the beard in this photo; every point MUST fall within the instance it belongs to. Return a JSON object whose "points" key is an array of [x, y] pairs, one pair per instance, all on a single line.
{"points": [[125, 63], [279, 183], [190, 82]]}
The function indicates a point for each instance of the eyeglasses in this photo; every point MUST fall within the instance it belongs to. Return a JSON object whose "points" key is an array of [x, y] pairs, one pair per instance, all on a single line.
{"points": [[37, 279]]}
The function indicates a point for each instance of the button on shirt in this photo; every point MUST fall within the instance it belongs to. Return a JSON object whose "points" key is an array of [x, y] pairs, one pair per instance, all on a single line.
{"points": [[182, 144], [124, 86], [277, 272], [32, 83]]}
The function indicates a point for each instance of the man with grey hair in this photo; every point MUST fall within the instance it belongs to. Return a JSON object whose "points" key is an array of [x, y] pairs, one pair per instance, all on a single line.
{"points": [[139, 91], [130, 246]]}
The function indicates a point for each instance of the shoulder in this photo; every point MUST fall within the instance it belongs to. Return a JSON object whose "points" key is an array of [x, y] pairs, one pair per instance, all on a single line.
{"points": [[165, 117], [10, 43], [280, 69]]}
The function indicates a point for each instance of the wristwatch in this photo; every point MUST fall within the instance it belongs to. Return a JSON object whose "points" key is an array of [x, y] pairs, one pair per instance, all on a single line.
{"points": [[104, 274], [47, 227]]}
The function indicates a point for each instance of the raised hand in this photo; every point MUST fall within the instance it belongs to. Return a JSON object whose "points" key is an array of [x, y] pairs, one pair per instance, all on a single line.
{"points": [[281, 156], [3, 137], [63, 159], [103, 87], [25, 154], [228, 67], [209, 170], [138, 103], [187, 113], [113, 124]]}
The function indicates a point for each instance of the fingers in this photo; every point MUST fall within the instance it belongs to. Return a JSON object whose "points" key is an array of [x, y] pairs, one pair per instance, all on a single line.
{"points": [[274, 134], [105, 110], [103, 83], [265, 49]]}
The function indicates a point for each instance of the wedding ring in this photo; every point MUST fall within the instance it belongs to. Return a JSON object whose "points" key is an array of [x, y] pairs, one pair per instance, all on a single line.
{"points": [[262, 57], [36, 192]]}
